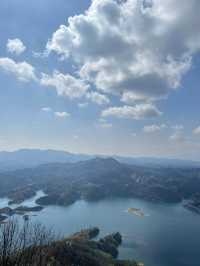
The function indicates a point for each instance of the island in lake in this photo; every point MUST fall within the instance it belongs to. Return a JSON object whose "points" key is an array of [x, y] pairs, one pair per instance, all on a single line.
{"points": [[136, 211], [101, 178], [7, 212], [194, 203]]}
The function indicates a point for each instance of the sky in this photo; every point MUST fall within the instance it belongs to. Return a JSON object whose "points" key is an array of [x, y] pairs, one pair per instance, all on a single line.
{"points": [[101, 77]]}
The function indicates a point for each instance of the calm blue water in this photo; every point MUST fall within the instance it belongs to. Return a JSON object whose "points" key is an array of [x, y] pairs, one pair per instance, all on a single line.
{"points": [[168, 235]]}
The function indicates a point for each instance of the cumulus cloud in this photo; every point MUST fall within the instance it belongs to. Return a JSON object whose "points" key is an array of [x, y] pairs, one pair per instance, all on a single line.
{"points": [[65, 84], [82, 105], [177, 127], [137, 49], [137, 112], [46, 109], [62, 114], [22, 70], [57, 114], [40, 54], [178, 135], [15, 46], [153, 128], [196, 131], [97, 98]]}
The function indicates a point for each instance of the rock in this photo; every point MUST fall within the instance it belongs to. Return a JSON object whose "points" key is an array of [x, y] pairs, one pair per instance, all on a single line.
{"points": [[80, 250], [86, 234], [117, 237], [110, 243]]}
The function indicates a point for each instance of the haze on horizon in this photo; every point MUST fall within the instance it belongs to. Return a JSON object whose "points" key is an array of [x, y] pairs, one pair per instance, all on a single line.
{"points": [[101, 77]]}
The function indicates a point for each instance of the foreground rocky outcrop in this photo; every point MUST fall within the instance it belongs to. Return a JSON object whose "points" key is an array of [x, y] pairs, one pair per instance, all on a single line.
{"points": [[80, 249], [77, 250]]}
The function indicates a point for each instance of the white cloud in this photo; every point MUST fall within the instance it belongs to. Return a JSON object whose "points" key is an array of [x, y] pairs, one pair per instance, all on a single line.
{"points": [[153, 128], [131, 97], [62, 114], [15, 46], [178, 127], [97, 98], [40, 54], [137, 112], [46, 109], [22, 70], [65, 85], [82, 105], [104, 124], [139, 50], [178, 135], [196, 131], [57, 114]]}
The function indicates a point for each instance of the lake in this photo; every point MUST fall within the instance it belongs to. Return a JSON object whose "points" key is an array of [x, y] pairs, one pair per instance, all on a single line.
{"points": [[168, 235]]}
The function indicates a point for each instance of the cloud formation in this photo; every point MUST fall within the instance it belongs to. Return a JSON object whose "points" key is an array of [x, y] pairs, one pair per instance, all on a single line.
{"points": [[46, 109], [62, 114], [137, 112], [15, 46], [65, 84], [178, 135], [196, 131], [22, 70], [56, 113], [97, 98], [137, 49], [83, 105], [153, 128]]}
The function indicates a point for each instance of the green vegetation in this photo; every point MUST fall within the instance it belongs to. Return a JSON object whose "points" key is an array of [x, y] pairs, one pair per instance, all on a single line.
{"points": [[99, 178], [34, 245]]}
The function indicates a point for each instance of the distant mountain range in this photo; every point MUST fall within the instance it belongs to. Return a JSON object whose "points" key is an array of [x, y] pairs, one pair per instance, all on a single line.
{"points": [[158, 162], [27, 158]]}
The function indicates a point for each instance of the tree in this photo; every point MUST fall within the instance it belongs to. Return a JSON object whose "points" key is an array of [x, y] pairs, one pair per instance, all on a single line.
{"points": [[24, 245]]}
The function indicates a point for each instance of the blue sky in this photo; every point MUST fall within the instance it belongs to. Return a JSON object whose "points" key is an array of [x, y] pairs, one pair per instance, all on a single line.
{"points": [[119, 77]]}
